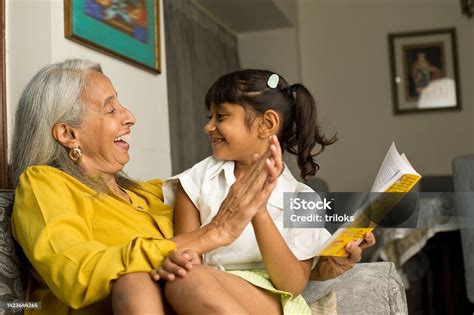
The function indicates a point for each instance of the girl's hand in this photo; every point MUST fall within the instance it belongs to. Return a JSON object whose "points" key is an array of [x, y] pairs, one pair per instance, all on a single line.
{"points": [[274, 162], [248, 194], [176, 265], [274, 166], [331, 267]]}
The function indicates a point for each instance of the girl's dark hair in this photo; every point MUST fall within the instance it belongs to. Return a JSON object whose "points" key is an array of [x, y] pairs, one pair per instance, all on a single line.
{"points": [[300, 131]]}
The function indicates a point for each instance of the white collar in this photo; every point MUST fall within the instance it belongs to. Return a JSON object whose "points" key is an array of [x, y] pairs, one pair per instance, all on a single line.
{"points": [[286, 181]]}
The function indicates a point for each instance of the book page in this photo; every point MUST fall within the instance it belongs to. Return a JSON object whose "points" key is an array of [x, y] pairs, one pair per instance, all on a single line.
{"points": [[393, 166], [396, 174]]}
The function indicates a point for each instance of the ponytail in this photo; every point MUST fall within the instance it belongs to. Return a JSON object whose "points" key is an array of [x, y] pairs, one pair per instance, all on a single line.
{"points": [[301, 132]]}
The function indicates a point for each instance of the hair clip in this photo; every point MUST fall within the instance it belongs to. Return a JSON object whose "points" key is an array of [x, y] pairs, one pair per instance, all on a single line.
{"points": [[273, 80]]}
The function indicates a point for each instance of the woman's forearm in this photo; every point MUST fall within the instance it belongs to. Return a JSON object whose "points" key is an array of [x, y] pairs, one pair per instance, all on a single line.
{"points": [[202, 240], [248, 194], [286, 271], [244, 199]]}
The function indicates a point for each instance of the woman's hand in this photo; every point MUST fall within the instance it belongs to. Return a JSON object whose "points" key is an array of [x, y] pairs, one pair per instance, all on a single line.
{"points": [[176, 265], [246, 197], [329, 267]]}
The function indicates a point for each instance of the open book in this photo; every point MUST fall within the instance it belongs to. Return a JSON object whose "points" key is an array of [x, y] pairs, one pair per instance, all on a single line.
{"points": [[395, 178]]}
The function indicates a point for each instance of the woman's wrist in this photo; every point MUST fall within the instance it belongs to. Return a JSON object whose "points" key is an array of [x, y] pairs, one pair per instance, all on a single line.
{"points": [[202, 240], [216, 234]]}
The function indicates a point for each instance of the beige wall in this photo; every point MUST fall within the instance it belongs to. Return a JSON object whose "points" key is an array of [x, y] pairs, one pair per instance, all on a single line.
{"points": [[344, 62], [41, 41], [273, 50], [289, 8]]}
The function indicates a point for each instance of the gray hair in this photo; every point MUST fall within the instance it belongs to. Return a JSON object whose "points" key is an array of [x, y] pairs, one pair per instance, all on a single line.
{"points": [[53, 96]]}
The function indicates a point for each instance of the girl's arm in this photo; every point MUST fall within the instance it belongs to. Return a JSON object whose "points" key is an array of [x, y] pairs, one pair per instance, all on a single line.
{"points": [[286, 271], [186, 215]]}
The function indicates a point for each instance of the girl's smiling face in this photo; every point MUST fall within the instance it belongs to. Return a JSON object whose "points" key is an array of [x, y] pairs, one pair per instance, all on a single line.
{"points": [[230, 136]]}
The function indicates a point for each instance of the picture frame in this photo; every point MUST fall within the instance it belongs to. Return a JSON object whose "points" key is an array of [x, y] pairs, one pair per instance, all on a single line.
{"points": [[424, 71], [124, 29]]}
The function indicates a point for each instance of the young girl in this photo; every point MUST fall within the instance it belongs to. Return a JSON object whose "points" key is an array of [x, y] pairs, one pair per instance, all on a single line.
{"points": [[247, 108]]}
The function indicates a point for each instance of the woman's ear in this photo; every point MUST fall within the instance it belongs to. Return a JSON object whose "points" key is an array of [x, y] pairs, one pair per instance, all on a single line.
{"points": [[269, 124], [65, 135]]}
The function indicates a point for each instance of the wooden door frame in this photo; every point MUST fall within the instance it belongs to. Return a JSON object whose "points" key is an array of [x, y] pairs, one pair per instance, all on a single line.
{"points": [[5, 182]]}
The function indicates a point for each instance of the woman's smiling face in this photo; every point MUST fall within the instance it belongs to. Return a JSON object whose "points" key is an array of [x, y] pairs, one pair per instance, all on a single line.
{"points": [[105, 127]]}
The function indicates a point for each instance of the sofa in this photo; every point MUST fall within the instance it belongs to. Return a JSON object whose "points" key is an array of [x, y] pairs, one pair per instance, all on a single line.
{"points": [[463, 175], [368, 288]]}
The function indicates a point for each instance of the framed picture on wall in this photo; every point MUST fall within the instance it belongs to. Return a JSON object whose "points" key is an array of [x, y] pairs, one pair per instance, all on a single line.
{"points": [[424, 71], [124, 29]]}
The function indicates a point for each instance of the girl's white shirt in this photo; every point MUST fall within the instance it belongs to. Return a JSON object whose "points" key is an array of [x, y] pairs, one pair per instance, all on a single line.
{"points": [[208, 182]]}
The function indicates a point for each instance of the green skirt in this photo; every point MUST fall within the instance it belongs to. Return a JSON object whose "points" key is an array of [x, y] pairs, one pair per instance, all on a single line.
{"points": [[260, 278]]}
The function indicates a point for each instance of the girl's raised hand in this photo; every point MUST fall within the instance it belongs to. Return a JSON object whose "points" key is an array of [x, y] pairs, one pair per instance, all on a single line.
{"points": [[274, 163], [274, 166]]}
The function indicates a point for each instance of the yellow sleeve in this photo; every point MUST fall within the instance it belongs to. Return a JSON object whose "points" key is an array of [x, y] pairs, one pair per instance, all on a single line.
{"points": [[59, 243]]}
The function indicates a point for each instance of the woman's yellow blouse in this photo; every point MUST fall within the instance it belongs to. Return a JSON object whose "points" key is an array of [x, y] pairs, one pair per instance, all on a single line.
{"points": [[78, 242]]}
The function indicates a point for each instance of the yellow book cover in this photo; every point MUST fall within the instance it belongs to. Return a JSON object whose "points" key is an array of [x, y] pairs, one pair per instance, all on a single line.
{"points": [[394, 179]]}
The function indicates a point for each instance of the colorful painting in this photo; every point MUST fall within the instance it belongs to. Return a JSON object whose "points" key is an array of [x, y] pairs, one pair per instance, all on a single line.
{"points": [[125, 29], [130, 17]]}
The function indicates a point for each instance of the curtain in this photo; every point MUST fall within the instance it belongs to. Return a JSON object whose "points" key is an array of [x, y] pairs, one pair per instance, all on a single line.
{"points": [[198, 51]]}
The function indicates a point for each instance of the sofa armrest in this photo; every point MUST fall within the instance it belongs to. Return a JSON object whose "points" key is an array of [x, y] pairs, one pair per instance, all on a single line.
{"points": [[12, 271], [368, 288]]}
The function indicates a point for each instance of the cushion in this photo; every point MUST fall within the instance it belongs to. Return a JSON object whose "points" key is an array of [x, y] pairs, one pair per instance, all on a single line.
{"points": [[368, 288], [326, 305], [12, 274]]}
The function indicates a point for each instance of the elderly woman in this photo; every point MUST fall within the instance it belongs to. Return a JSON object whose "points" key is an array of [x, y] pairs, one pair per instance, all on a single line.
{"points": [[91, 234]]}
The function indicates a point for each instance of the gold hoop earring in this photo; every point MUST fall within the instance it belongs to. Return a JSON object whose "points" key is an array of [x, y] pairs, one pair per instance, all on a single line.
{"points": [[75, 154]]}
